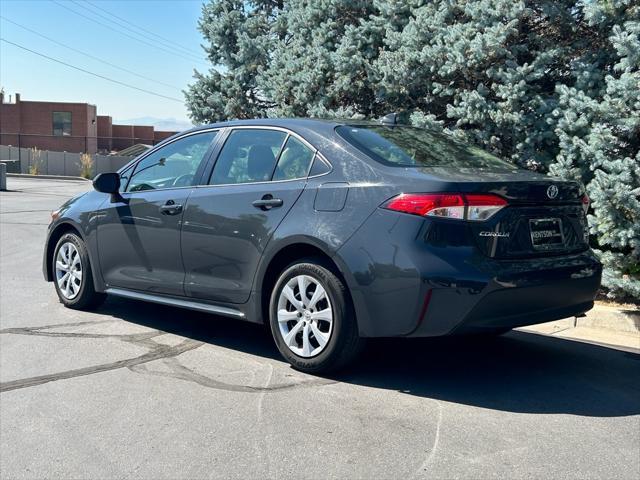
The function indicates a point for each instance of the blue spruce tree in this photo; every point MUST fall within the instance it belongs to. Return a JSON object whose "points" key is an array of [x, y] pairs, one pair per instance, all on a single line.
{"points": [[550, 85]]}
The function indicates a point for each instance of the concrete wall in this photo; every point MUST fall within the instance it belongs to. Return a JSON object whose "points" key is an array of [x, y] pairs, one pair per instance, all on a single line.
{"points": [[57, 163]]}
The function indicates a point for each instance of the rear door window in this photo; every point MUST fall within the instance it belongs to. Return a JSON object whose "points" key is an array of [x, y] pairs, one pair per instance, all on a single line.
{"points": [[248, 155], [295, 160]]}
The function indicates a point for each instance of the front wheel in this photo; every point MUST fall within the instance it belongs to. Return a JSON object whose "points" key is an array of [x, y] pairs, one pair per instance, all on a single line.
{"points": [[312, 318], [72, 274]]}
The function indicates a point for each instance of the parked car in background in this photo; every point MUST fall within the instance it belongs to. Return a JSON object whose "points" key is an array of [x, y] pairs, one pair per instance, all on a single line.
{"points": [[330, 231]]}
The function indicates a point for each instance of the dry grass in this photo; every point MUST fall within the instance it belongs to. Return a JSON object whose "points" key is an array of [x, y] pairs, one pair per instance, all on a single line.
{"points": [[36, 166], [86, 166]]}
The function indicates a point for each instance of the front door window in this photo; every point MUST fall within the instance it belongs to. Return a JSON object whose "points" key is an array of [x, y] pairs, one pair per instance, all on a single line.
{"points": [[174, 165]]}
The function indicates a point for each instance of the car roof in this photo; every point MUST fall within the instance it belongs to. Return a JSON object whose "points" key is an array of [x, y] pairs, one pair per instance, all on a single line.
{"points": [[295, 124], [280, 122]]}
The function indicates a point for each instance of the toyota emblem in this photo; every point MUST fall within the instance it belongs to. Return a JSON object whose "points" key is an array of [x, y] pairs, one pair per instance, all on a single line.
{"points": [[552, 191]]}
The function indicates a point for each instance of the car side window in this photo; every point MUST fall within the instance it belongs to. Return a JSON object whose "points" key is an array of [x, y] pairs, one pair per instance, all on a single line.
{"points": [[248, 155], [294, 161], [174, 165], [319, 167]]}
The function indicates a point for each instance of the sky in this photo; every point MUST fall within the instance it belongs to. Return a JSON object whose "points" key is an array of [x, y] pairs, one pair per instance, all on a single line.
{"points": [[166, 52]]}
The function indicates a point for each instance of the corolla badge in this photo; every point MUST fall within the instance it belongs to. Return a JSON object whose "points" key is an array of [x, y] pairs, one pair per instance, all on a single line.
{"points": [[494, 234], [552, 191]]}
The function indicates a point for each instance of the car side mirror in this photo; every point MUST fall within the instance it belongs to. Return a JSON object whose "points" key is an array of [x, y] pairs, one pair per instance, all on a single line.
{"points": [[108, 183]]}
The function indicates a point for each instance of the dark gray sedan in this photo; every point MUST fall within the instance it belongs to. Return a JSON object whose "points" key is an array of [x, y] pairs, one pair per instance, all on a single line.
{"points": [[330, 231]]}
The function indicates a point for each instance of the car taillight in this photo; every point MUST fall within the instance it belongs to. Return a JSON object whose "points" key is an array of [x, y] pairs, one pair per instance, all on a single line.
{"points": [[585, 202], [460, 206], [438, 205], [483, 206]]}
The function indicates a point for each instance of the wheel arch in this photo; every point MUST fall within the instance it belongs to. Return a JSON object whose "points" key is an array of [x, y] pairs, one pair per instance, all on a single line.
{"points": [[285, 255], [56, 234]]}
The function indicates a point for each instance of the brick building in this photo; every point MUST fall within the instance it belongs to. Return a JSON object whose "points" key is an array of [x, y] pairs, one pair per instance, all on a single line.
{"points": [[55, 126], [122, 136], [105, 132], [69, 127]]}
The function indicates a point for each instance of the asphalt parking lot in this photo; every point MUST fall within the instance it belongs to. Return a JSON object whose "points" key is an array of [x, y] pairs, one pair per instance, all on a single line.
{"points": [[143, 391]]}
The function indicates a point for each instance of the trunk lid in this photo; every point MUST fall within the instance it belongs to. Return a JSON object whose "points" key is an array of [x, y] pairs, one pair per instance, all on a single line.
{"points": [[517, 186], [544, 217], [519, 231]]}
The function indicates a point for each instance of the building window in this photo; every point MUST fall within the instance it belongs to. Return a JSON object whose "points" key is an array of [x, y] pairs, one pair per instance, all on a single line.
{"points": [[62, 123]]}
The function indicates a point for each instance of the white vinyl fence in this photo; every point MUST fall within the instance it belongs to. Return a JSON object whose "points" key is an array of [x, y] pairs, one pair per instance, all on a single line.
{"points": [[21, 160]]}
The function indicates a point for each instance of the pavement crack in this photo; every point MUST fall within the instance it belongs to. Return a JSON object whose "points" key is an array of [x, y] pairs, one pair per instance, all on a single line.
{"points": [[434, 447], [137, 338], [180, 372], [24, 223], [35, 330], [156, 351], [159, 352], [24, 211], [262, 442]]}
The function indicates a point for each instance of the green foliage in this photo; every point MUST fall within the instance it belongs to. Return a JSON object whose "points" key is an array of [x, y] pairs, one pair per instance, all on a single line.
{"points": [[553, 85], [237, 36]]}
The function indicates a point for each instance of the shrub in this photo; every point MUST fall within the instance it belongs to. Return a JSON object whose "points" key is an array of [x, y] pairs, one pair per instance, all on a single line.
{"points": [[36, 165], [86, 166]]}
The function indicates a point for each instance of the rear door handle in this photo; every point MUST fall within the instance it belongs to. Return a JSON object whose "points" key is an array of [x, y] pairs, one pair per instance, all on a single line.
{"points": [[170, 208], [267, 202]]}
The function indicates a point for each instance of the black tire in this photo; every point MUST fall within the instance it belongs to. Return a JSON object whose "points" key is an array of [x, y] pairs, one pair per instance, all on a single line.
{"points": [[344, 343], [86, 298]]}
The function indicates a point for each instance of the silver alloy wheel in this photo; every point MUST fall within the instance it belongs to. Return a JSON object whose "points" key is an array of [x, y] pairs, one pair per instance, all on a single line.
{"points": [[68, 270], [305, 316]]}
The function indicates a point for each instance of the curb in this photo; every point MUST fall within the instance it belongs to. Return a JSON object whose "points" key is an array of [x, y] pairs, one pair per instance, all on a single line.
{"points": [[47, 177], [611, 318], [609, 321]]}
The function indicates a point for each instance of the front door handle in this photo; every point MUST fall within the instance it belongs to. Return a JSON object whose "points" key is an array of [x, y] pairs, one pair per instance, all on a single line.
{"points": [[267, 202], [170, 208]]}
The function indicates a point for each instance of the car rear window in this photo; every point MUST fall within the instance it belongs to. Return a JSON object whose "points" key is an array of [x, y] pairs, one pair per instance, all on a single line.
{"points": [[402, 146]]}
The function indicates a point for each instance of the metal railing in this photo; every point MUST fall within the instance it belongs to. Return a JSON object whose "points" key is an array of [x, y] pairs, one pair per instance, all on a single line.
{"points": [[75, 143], [47, 162]]}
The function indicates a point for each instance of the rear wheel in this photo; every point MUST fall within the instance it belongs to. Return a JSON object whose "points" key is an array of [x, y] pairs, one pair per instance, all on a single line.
{"points": [[72, 274], [312, 318]]}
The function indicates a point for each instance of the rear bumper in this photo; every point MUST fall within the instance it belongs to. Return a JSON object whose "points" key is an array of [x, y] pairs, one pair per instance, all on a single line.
{"points": [[525, 298], [404, 287]]}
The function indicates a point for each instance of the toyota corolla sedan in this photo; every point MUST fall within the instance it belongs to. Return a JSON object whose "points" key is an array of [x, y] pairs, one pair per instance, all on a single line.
{"points": [[331, 232]]}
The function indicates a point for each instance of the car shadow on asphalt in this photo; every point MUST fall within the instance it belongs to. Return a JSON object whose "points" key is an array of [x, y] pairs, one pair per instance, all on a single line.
{"points": [[517, 372]]}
